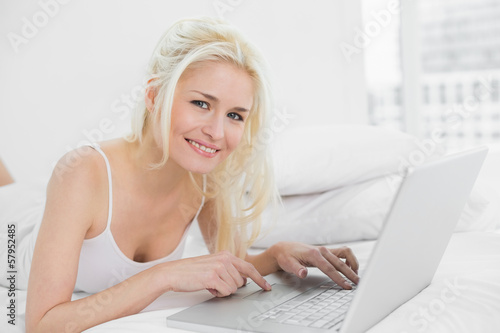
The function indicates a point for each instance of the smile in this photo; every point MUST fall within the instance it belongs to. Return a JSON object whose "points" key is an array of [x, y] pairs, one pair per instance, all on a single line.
{"points": [[202, 147]]}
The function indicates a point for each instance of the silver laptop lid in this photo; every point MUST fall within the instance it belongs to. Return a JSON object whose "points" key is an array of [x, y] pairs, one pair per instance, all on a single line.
{"points": [[415, 235]]}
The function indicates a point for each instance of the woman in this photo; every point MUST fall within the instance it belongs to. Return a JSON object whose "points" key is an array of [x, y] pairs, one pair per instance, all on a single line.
{"points": [[115, 222]]}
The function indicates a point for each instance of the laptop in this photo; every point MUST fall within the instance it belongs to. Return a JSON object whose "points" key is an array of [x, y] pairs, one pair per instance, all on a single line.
{"points": [[416, 232]]}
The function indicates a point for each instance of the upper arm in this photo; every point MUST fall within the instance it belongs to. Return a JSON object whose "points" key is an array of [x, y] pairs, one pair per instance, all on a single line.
{"points": [[68, 214]]}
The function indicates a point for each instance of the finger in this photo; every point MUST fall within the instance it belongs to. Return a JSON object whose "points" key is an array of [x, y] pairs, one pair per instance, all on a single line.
{"points": [[227, 271], [329, 269], [248, 270], [292, 265], [216, 293], [218, 287], [235, 275], [216, 279], [352, 267], [340, 266], [228, 278], [346, 253]]}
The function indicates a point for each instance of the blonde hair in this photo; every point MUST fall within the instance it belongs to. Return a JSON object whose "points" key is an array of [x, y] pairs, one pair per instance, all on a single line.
{"points": [[243, 184]]}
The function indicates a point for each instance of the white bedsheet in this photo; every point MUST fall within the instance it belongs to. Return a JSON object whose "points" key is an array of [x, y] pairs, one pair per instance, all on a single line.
{"points": [[463, 297]]}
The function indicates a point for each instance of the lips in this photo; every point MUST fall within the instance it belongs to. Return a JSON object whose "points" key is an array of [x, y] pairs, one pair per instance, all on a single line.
{"points": [[203, 147]]}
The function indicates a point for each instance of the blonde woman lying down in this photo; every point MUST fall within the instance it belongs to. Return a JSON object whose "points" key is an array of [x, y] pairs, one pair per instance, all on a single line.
{"points": [[114, 224]]}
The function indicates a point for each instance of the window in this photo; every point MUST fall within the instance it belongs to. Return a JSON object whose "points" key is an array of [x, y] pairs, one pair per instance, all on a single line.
{"points": [[451, 50]]}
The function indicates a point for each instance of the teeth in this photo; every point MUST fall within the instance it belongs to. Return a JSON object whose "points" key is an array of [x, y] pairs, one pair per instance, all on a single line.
{"points": [[202, 147]]}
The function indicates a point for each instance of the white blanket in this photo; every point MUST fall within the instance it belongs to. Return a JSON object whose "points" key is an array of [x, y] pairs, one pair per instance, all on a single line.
{"points": [[464, 295]]}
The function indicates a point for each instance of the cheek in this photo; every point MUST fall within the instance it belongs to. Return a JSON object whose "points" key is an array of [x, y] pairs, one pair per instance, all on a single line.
{"points": [[179, 122], [235, 136]]}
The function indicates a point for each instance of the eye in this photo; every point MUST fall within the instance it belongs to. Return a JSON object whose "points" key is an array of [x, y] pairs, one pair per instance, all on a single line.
{"points": [[200, 104], [235, 116]]}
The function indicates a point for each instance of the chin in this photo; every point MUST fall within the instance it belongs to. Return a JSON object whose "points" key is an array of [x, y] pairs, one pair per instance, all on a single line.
{"points": [[199, 169]]}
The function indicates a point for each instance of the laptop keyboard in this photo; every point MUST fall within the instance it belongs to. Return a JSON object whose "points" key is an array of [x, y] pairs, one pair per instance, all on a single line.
{"points": [[326, 309]]}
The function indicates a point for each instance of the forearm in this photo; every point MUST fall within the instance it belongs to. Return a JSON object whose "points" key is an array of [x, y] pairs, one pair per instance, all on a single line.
{"points": [[265, 262], [126, 298]]}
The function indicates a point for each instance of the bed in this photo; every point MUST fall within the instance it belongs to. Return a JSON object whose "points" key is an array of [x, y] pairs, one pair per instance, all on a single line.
{"points": [[464, 295], [349, 207]]}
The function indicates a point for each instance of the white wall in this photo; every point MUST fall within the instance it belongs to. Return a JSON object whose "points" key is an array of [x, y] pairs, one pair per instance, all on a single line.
{"points": [[72, 79]]}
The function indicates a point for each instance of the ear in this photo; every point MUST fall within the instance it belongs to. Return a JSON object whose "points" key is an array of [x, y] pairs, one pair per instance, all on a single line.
{"points": [[149, 98]]}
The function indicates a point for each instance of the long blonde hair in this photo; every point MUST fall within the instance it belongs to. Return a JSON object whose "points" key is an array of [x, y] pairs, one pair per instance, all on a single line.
{"points": [[243, 184]]}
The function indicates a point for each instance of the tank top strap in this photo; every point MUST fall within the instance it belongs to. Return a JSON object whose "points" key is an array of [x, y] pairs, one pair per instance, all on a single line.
{"points": [[97, 147]]}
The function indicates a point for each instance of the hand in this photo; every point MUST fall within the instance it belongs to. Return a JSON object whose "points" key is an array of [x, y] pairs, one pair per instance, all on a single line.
{"points": [[295, 257], [221, 274]]}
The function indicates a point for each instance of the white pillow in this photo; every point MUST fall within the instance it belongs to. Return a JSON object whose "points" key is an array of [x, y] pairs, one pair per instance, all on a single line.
{"points": [[351, 213], [357, 212], [322, 158]]}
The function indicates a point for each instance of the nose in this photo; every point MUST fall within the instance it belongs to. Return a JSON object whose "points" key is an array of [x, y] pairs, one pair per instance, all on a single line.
{"points": [[214, 127]]}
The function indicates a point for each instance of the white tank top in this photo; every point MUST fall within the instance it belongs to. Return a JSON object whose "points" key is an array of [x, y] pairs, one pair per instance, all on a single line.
{"points": [[102, 264]]}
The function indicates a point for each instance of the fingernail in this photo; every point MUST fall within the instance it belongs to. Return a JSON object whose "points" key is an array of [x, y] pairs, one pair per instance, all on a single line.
{"points": [[302, 273], [268, 286]]}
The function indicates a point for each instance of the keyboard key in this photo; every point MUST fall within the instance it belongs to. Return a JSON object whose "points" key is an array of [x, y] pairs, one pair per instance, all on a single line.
{"points": [[285, 307], [283, 316], [303, 322], [304, 306], [337, 326], [319, 323], [334, 324], [291, 321], [315, 316], [293, 303], [320, 307]]}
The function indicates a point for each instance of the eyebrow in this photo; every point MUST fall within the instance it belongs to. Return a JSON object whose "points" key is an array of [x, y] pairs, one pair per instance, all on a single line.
{"points": [[215, 99]]}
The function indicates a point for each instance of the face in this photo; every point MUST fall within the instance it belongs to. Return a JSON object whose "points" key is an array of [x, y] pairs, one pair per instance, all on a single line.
{"points": [[211, 104]]}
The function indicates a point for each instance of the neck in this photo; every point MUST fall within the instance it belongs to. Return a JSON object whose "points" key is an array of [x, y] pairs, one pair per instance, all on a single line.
{"points": [[163, 180]]}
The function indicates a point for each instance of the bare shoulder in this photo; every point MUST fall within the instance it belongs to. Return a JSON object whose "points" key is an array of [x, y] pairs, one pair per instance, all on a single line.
{"points": [[77, 182], [80, 162]]}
